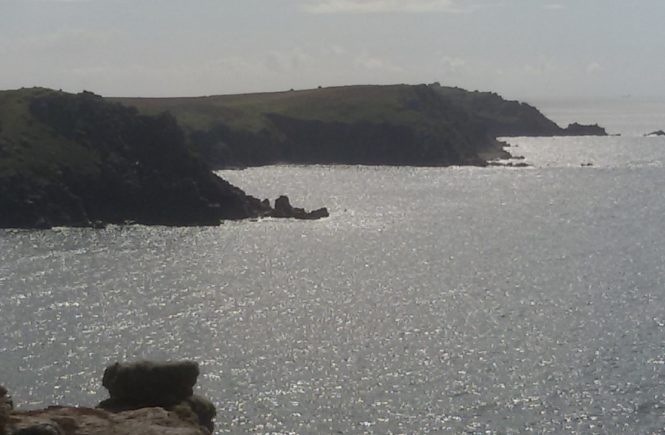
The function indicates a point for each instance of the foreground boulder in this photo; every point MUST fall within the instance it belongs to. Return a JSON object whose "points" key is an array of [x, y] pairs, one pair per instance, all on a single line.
{"points": [[146, 383], [147, 398], [168, 385]]}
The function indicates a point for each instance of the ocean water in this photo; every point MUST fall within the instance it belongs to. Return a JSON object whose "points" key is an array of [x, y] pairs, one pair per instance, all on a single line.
{"points": [[433, 300], [628, 116]]}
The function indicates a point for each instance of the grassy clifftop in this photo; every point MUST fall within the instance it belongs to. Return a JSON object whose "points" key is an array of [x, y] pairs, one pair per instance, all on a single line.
{"points": [[395, 125], [21, 136]]}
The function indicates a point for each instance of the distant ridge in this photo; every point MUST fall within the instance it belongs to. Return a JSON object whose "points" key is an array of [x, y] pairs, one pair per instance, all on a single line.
{"points": [[420, 125]]}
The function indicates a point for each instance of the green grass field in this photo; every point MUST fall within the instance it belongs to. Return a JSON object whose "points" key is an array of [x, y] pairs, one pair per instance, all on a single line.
{"points": [[397, 104], [30, 146]]}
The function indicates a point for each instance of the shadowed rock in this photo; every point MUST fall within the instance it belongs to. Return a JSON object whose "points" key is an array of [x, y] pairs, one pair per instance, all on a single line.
{"points": [[145, 383], [576, 129], [168, 385], [656, 133], [5, 409], [87, 421], [197, 410], [284, 209]]}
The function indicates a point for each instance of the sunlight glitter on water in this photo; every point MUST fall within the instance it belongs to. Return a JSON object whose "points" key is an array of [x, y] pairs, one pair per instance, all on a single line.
{"points": [[432, 300]]}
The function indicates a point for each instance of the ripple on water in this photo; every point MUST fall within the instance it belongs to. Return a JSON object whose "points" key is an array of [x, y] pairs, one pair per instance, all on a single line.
{"points": [[432, 300]]}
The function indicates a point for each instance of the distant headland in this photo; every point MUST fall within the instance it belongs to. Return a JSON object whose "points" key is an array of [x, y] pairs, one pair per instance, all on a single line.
{"points": [[415, 125], [85, 160]]}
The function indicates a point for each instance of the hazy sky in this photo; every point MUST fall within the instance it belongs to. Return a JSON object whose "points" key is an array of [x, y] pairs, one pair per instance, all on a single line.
{"points": [[519, 48]]}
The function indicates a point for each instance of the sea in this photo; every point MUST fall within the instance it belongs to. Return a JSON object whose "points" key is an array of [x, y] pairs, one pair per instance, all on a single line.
{"points": [[433, 300]]}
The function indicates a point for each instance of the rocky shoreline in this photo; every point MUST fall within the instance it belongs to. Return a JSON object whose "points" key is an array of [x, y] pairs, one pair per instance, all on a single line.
{"points": [[145, 398]]}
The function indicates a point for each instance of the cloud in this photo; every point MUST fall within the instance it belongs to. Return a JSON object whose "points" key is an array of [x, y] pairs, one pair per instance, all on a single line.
{"points": [[383, 6], [554, 6], [541, 66], [593, 68], [451, 64], [290, 60], [374, 63]]}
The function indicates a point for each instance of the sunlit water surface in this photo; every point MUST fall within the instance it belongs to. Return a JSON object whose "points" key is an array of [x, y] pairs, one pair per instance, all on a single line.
{"points": [[432, 300]]}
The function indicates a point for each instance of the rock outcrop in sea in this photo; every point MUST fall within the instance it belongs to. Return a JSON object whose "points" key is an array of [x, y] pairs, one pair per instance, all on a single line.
{"points": [[576, 129], [283, 208], [656, 133], [146, 398]]}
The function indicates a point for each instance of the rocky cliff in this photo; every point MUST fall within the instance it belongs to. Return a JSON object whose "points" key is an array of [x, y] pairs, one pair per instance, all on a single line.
{"points": [[78, 160]]}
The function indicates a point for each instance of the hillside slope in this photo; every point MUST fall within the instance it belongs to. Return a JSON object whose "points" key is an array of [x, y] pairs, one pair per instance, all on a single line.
{"points": [[391, 125], [78, 160]]}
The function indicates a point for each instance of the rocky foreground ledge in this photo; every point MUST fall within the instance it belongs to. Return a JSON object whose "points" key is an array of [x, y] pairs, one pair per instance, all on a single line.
{"points": [[147, 398]]}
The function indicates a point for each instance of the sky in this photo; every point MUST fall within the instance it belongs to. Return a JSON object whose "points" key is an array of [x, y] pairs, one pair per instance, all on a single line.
{"points": [[518, 48]]}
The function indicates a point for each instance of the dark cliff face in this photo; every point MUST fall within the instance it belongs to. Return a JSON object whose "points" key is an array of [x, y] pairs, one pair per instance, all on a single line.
{"points": [[83, 160], [363, 143]]}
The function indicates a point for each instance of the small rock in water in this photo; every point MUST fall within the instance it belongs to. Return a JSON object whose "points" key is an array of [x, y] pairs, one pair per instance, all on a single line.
{"points": [[284, 209]]}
